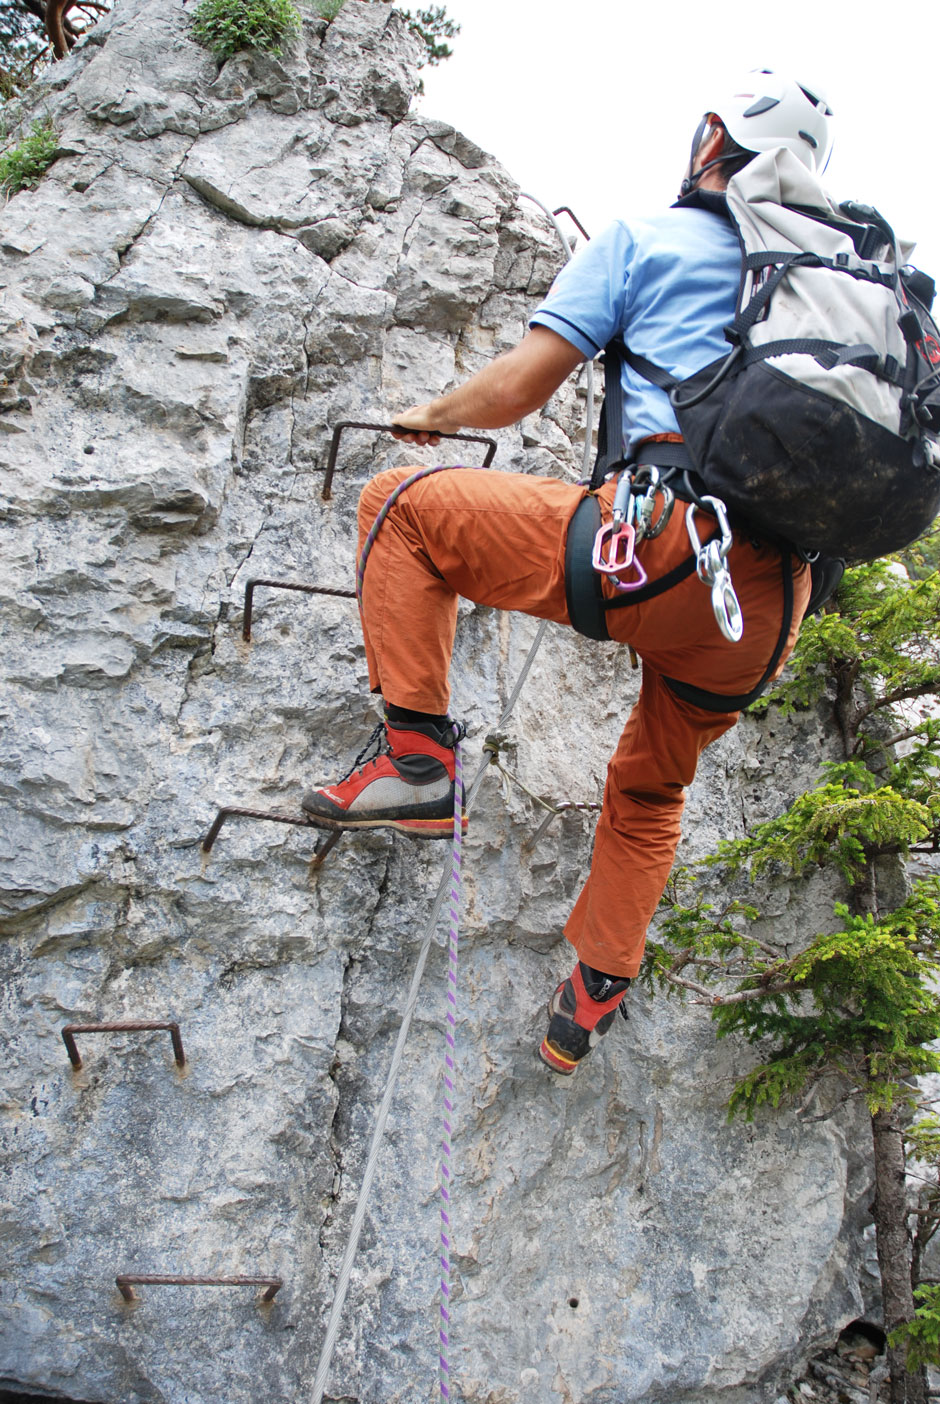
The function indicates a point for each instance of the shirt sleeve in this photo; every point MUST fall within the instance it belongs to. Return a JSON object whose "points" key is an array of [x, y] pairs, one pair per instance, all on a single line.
{"points": [[586, 302]]}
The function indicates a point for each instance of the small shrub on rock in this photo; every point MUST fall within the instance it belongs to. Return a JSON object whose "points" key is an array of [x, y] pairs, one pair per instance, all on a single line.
{"points": [[22, 166], [226, 26]]}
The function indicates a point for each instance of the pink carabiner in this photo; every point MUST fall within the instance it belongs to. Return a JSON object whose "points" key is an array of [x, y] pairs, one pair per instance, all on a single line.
{"points": [[618, 560]]}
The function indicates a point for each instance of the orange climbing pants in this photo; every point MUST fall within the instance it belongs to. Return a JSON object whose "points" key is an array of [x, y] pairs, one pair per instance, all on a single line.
{"points": [[499, 539]]}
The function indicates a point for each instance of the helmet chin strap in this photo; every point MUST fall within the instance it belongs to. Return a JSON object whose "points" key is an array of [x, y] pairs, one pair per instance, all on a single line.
{"points": [[691, 181]]}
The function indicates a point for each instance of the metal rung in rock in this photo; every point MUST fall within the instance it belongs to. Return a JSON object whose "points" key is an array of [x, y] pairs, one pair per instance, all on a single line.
{"points": [[561, 808], [388, 429], [252, 585], [122, 1026], [324, 846], [126, 1283]]}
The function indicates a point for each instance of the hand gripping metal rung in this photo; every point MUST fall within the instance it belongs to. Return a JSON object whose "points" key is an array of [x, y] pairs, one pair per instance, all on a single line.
{"points": [[397, 430], [711, 565]]}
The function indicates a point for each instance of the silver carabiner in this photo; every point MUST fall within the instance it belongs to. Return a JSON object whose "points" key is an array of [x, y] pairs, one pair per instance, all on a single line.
{"points": [[622, 509], [725, 606], [646, 506], [711, 565], [721, 516]]}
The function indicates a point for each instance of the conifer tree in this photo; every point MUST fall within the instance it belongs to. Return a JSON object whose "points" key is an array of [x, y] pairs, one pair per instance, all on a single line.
{"points": [[23, 45], [855, 1012]]}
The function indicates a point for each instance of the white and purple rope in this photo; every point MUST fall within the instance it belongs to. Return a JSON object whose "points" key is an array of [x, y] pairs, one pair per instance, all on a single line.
{"points": [[450, 1074], [387, 506], [451, 878]]}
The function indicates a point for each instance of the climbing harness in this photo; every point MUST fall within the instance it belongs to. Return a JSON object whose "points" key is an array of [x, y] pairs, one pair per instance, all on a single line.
{"points": [[664, 469]]}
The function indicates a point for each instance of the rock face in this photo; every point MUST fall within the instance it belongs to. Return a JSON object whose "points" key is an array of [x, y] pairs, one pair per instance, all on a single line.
{"points": [[220, 266]]}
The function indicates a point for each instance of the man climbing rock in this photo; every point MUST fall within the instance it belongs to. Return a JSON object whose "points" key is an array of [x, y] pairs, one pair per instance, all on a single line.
{"points": [[669, 284]]}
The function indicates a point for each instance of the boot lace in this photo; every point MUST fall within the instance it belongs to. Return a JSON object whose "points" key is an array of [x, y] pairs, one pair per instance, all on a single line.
{"points": [[378, 740], [381, 747]]}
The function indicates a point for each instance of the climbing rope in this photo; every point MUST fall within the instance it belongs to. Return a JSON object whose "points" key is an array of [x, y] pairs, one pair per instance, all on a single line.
{"points": [[450, 1074], [588, 365], [378, 1130]]}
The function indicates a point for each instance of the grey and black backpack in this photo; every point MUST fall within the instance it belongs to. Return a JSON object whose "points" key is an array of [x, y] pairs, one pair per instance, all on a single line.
{"points": [[821, 427]]}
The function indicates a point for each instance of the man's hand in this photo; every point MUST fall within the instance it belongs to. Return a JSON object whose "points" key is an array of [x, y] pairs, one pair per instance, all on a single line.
{"points": [[417, 425], [514, 385]]}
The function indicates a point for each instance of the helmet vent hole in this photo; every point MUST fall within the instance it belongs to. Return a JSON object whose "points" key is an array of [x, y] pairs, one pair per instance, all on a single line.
{"points": [[816, 101], [763, 104], [811, 139]]}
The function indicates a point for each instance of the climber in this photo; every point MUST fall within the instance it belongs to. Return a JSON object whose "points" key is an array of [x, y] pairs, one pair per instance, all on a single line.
{"points": [[669, 283]]}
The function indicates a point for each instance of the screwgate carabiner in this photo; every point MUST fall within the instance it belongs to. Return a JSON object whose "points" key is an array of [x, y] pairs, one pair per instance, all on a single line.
{"points": [[646, 506], [620, 539], [622, 509], [712, 568]]}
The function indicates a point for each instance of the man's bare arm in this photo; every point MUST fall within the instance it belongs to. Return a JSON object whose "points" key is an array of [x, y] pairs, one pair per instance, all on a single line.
{"points": [[505, 391]]}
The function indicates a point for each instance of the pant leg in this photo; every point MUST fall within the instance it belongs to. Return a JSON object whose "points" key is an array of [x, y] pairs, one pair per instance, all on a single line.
{"points": [[494, 538], [639, 828], [499, 539]]}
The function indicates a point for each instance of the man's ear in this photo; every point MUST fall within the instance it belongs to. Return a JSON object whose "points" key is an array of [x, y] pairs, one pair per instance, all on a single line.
{"points": [[713, 140]]}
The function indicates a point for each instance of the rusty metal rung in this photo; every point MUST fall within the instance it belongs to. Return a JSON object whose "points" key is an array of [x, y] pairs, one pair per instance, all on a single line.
{"points": [[251, 586], [325, 845], [126, 1283], [122, 1026], [586, 807], [566, 209], [388, 429]]}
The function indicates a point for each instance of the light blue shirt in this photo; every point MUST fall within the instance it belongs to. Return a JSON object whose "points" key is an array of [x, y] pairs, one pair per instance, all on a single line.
{"points": [[669, 284]]}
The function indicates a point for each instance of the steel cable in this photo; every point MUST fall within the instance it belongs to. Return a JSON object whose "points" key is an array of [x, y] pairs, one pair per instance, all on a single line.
{"points": [[378, 1132], [449, 878]]}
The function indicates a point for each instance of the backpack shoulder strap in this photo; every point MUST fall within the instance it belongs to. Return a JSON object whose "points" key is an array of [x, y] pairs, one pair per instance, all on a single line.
{"points": [[610, 425]]}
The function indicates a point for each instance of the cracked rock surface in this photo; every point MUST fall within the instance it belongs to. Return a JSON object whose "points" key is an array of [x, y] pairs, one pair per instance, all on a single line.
{"points": [[221, 265]]}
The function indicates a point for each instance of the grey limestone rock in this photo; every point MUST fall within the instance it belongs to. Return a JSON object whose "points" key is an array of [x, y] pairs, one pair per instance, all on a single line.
{"points": [[222, 264]]}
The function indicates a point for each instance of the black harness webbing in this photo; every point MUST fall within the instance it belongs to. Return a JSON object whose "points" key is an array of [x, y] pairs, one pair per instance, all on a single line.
{"points": [[723, 702], [653, 588], [583, 592]]}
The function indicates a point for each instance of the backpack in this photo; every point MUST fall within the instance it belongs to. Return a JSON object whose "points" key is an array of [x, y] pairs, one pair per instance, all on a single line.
{"points": [[819, 429]]}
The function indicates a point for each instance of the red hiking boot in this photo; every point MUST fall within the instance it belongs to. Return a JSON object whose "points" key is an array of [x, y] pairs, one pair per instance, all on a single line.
{"points": [[580, 1011], [407, 784]]}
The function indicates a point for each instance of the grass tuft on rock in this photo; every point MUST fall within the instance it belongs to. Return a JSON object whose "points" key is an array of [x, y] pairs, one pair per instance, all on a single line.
{"points": [[228, 26], [23, 165]]}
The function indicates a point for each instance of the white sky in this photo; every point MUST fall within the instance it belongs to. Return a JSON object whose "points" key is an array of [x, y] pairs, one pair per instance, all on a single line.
{"points": [[543, 85]]}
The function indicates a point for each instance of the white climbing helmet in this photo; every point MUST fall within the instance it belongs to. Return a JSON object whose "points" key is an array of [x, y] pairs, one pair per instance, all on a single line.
{"points": [[767, 109]]}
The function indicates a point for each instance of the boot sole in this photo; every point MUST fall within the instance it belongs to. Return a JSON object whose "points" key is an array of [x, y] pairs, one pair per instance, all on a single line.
{"points": [[415, 828], [552, 1057], [555, 1061]]}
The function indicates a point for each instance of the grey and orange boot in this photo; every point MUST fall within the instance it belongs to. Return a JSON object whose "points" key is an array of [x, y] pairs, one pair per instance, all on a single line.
{"points": [[407, 783], [580, 1011]]}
